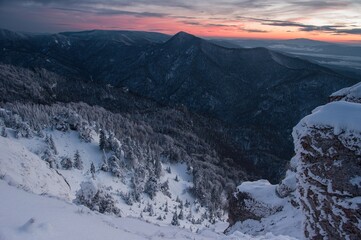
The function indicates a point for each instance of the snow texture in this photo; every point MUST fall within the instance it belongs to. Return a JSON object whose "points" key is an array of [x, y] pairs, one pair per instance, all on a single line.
{"points": [[333, 115], [32, 217], [22, 168]]}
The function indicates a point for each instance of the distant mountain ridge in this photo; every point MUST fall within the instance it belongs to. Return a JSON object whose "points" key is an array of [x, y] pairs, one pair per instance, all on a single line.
{"points": [[260, 93]]}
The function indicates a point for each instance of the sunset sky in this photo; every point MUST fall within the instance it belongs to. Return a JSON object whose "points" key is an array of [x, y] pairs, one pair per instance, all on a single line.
{"points": [[330, 20]]}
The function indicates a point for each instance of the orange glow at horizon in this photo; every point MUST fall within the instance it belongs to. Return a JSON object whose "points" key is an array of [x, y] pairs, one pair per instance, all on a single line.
{"points": [[211, 30], [202, 25]]}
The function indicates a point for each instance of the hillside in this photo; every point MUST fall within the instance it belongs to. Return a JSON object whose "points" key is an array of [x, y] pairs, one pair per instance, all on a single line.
{"points": [[257, 94], [63, 185]]}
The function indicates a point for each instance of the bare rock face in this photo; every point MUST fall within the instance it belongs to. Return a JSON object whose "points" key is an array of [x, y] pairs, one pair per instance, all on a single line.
{"points": [[328, 159], [257, 209], [244, 206]]}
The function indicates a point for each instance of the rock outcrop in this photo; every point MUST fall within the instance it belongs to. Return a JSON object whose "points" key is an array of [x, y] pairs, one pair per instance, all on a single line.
{"points": [[323, 182], [328, 157]]}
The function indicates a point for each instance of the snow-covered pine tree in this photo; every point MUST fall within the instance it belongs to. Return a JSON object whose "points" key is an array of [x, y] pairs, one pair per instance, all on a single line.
{"points": [[180, 204], [164, 187], [3, 132], [175, 221], [151, 210], [181, 215], [166, 207], [128, 198], [102, 140], [151, 187], [49, 158], [66, 163], [190, 215], [51, 144], [187, 204], [158, 167], [78, 163], [96, 198], [23, 130], [85, 133], [92, 170], [104, 165], [114, 167]]}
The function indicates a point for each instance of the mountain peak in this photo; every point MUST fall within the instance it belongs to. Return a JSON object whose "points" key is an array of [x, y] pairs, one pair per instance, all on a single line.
{"points": [[182, 37]]}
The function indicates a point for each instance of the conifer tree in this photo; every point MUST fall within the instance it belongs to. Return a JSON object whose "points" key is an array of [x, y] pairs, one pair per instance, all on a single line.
{"points": [[158, 168], [50, 141], [92, 170], [166, 207], [78, 163], [102, 140], [175, 221], [3, 132], [104, 166], [190, 215], [49, 158], [181, 215], [66, 163]]}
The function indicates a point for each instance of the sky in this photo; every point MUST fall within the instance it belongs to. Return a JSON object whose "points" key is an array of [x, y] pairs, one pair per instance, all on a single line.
{"points": [[327, 20]]}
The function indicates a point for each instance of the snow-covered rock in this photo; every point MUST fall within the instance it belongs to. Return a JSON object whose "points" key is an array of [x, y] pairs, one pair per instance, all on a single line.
{"points": [[320, 197], [256, 209], [350, 94], [328, 159]]}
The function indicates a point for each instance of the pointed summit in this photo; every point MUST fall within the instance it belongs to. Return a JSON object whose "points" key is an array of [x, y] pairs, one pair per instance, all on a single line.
{"points": [[182, 34], [183, 37]]}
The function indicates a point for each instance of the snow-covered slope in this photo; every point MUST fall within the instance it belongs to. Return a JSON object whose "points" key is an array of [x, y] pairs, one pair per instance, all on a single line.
{"points": [[45, 162], [27, 216], [46, 211], [21, 168]]}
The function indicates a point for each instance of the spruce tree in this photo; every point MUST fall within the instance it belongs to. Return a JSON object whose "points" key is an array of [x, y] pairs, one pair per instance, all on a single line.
{"points": [[49, 158], [104, 166], [166, 207], [52, 145], [181, 215], [102, 140], [92, 170], [78, 163], [158, 168], [175, 221], [3, 132], [66, 163], [190, 215]]}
